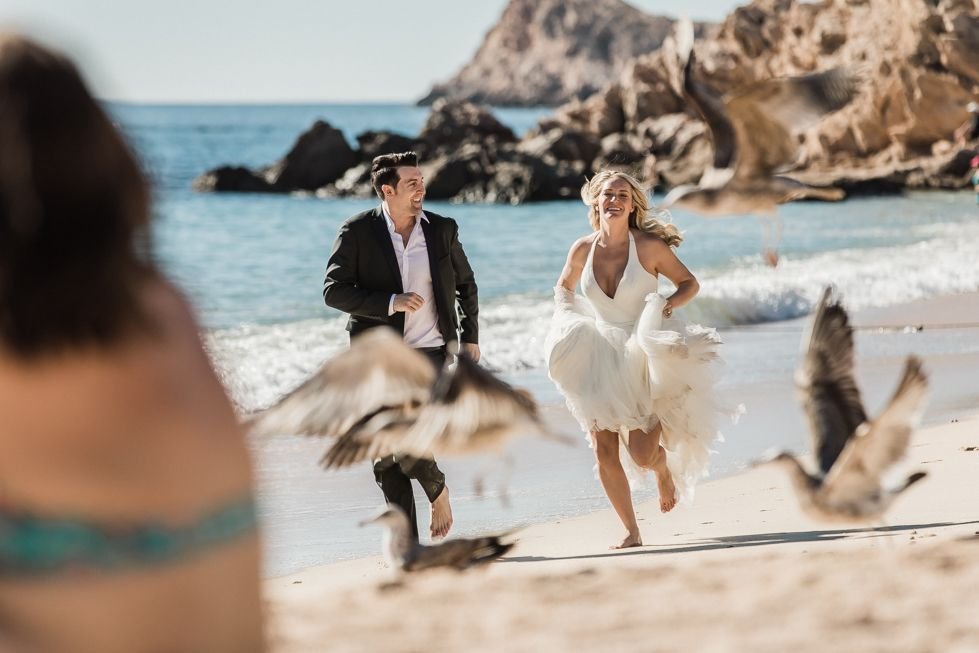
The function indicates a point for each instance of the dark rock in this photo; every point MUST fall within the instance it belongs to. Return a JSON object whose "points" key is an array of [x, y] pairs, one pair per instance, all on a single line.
{"points": [[621, 152], [375, 143], [557, 144], [321, 155], [452, 123], [448, 175], [234, 179], [355, 182]]}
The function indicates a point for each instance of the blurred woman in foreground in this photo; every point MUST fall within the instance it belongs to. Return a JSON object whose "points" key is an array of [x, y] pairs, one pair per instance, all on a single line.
{"points": [[127, 521]]}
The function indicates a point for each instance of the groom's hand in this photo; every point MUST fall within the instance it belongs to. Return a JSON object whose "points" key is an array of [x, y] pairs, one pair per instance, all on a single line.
{"points": [[408, 302], [471, 349]]}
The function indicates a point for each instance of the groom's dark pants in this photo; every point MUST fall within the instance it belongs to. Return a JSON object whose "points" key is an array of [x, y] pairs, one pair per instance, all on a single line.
{"points": [[394, 473]]}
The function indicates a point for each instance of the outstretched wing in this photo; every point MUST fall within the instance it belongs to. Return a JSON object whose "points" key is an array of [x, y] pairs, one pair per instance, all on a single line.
{"points": [[378, 371], [881, 443], [766, 116], [472, 410], [375, 436], [825, 381], [705, 99]]}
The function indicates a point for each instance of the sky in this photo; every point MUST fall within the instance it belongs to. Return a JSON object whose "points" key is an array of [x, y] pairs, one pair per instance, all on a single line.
{"points": [[215, 51]]}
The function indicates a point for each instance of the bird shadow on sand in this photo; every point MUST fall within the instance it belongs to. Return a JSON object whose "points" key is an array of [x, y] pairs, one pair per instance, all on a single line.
{"points": [[751, 539]]}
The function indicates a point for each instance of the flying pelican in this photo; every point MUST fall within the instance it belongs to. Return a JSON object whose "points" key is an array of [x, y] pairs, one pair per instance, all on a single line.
{"points": [[754, 134], [852, 452], [382, 397], [403, 553]]}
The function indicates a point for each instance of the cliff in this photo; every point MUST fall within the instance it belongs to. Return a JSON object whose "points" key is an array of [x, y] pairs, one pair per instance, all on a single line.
{"points": [[546, 52]]}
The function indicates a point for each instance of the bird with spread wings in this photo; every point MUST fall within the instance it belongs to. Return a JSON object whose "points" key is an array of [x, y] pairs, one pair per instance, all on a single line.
{"points": [[853, 453], [754, 132], [382, 397]]}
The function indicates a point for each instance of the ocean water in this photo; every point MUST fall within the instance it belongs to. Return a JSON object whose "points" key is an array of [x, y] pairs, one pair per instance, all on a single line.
{"points": [[253, 265]]}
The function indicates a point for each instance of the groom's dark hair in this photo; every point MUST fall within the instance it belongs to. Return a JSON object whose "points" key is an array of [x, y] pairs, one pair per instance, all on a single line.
{"points": [[384, 169]]}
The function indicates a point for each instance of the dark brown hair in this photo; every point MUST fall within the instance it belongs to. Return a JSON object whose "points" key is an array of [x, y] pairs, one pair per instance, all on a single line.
{"points": [[384, 169], [74, 210]]}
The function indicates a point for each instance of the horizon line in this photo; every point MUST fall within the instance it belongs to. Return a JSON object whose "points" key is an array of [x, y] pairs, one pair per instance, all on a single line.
{"points": [[298, 103]]}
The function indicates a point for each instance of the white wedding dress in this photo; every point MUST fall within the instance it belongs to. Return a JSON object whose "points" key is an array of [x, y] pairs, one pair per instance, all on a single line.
{"points": [[622, 367]]}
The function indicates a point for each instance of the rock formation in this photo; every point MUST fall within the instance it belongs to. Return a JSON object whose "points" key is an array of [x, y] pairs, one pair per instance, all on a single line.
{"points": [[920, 59], [546, 52]]}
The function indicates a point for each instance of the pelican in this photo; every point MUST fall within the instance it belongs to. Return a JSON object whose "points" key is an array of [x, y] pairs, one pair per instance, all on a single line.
{"points": [[754, 132], [404, 554], [852, 451]]}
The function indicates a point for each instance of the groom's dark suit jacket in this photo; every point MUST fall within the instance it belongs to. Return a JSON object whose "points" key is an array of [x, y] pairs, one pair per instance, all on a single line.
{"points": [[363, 273]]}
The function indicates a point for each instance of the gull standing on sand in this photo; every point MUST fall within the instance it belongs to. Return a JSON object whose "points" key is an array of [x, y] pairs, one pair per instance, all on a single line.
{"points": [[754, 135], [403, 553], [852, 452], [382, 397]]}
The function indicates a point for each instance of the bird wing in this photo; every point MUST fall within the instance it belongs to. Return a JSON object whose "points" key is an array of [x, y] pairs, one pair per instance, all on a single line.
{"points": [[828, 391], [708, 104], [884, 441], [378, 370], [471, 409], [375, 436], [767, 115]]}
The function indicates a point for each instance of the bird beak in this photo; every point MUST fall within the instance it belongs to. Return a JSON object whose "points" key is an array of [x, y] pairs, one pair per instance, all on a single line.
{"points": [[367, 522]]}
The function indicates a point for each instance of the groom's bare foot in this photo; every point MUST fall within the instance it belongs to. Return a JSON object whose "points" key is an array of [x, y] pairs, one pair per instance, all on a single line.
{"points": [[667, 491], [631, 540], [441, 515]]}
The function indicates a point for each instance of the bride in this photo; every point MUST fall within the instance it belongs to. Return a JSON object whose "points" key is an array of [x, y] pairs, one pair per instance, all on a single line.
{"points": [[638, 381]]}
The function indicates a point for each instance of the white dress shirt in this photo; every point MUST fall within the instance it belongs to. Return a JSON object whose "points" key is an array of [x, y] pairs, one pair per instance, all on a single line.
{"points": [[421, 326]]}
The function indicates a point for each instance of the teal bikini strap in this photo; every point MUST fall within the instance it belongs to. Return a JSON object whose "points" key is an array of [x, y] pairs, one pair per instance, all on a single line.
{"points": [[32, 545]]}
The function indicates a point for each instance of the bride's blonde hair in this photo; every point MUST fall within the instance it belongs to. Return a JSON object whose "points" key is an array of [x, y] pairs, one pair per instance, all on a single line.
{"points": [[642, 218]]}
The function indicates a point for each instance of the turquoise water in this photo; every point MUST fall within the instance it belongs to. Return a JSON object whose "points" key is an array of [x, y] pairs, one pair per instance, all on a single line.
{"points": [[253, 265]]}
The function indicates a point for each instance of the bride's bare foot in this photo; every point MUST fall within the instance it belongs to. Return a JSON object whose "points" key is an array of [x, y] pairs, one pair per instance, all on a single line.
{"points": [[441, 515], [667, 491], [631, 540]]}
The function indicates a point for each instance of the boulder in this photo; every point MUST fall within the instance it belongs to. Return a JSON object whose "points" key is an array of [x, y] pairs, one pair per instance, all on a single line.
{"points": [[375, 143], [233, 179], [319, 156], [452, 123], [560, 144]]}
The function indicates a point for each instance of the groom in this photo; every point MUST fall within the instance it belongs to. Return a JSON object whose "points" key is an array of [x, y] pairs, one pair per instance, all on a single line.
{"points": [[401, 267]]}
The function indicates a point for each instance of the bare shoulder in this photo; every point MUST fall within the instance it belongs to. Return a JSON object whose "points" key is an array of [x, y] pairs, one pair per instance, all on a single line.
{"points": [[581, 247], [649, 244]]}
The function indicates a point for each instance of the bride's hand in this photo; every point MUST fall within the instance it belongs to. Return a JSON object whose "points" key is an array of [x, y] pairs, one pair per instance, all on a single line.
{"points": [[667, 309]]}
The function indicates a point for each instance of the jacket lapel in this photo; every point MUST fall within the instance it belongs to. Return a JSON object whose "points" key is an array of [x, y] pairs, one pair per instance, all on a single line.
{"points": [[434, 247], [387, 248]]}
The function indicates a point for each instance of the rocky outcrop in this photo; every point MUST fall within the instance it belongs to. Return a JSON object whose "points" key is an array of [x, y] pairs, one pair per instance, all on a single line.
{"points": [[546, 52], [467, 156], [919, 58], [320, 155], [232, 179]]}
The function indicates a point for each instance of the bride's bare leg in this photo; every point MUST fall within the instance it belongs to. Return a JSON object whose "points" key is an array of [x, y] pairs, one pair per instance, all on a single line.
{"points": [[616, 485], [648, 453]]}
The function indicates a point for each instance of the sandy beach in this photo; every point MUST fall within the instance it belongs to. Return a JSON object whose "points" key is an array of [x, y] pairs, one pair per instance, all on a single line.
{"points": [[741, 569]]}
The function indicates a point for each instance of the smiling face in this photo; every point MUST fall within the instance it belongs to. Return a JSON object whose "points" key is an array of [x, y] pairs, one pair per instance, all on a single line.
{"points": [[615, 200], [406, 198]]}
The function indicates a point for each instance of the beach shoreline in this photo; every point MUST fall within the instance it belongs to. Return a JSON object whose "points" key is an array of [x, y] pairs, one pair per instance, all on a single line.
{"points": [[310, 516], [743, 549], [789, 569]]}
